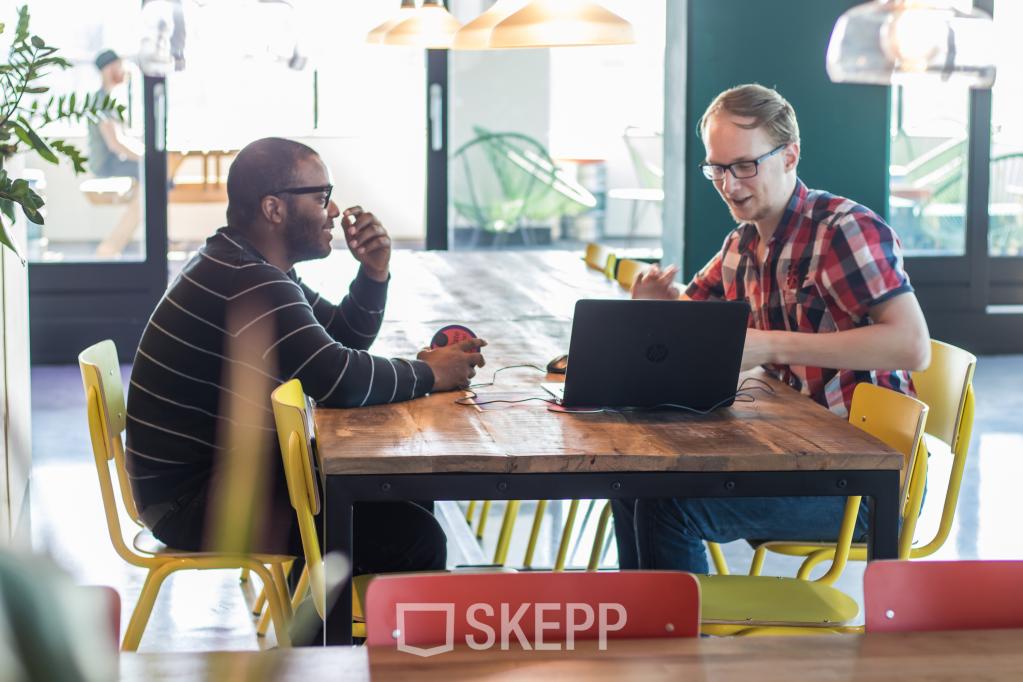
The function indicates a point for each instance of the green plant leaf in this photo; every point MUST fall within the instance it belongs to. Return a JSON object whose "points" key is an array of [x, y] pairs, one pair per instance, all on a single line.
{"points": [[21, 33], [38, 42], [24, 131]]}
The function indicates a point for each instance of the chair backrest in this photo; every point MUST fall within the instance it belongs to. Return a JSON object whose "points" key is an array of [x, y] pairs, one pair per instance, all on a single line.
{"points": [[893, 418], [104, 396], [420, 610], [646, 149], [600, 257], [947, 388], [898, 421], [292, 419], [628, 270], [501, 178], [907, 596]]}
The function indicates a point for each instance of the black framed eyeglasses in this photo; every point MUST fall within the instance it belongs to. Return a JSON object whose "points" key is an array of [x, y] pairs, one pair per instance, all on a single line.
{"points": [[740, 170], [324, 189]]}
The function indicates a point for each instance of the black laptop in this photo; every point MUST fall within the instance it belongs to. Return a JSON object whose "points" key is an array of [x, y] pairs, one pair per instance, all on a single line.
{"points": [[648, 353]]}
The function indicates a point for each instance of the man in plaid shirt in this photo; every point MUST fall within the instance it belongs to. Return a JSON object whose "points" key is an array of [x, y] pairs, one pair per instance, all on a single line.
{"points": [[830, 306]]}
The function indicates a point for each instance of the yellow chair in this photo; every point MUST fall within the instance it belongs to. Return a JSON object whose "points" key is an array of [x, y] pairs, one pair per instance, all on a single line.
{"points": [[946, 386], [628, 271], [101, 377], [600, 257], [291, 416], [753, 604]]}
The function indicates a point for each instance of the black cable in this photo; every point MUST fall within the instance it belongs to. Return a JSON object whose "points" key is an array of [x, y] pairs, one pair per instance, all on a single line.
{"points": [[741, 395], [493, 379]]}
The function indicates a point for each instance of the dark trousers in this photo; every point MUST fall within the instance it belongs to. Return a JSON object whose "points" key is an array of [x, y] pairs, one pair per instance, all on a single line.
{"points": [[387, 536]]}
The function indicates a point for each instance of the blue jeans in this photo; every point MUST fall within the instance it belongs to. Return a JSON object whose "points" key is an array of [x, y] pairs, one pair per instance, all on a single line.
{"points": [[669, 533]]}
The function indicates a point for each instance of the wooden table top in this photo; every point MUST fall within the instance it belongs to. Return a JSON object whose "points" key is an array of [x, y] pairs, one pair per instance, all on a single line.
{"points": [[522, 304], [939, 656]]}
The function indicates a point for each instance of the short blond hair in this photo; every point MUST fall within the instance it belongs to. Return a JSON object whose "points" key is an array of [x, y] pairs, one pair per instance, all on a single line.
{"points": [[767, 108]]}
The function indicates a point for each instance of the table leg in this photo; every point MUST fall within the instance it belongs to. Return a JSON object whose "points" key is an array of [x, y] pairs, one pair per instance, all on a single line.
{"points": [[883, 536], [337, 534]]}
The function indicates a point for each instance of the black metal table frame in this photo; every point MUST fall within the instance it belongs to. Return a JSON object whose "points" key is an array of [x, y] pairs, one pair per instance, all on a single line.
{"points": [[880, 487]]}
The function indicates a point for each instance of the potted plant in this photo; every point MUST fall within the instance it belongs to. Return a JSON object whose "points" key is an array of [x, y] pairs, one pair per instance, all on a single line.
{"points": [[24, 115]]}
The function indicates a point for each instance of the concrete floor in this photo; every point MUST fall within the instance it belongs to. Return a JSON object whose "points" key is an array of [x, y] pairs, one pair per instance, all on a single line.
{"points": [[209, 610]]}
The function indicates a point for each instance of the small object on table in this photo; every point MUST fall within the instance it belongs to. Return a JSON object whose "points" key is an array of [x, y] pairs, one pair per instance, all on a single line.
{"points": [[451, 334]]}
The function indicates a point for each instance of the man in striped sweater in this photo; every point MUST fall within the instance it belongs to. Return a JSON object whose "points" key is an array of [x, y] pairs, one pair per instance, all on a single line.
{"points": [[235, 324]]}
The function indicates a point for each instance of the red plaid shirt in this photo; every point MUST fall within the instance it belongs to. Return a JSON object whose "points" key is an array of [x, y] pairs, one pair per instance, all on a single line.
{"points": [[828, 262]]}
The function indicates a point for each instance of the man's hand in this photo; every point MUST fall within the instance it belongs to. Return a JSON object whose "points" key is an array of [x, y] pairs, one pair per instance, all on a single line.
{"points": [[368, 241], [453, 366], [657, 284], [758, 350]]}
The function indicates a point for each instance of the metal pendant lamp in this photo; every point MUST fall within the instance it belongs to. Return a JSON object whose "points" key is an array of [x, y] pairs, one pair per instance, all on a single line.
{"points": [[404, 12], [476, 34], [889, 42], [557, 23], [431, 26]]}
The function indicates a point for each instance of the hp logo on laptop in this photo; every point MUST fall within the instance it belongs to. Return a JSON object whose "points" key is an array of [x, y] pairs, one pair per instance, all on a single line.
{"points": [[658, 352]]}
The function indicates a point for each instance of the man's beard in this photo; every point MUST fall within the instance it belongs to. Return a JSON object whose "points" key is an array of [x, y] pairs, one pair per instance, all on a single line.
{"points": [[304, 239]]}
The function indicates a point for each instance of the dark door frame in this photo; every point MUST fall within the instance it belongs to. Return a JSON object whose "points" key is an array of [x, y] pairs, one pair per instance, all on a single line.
{"points": [[73, 305], [972, 300]]}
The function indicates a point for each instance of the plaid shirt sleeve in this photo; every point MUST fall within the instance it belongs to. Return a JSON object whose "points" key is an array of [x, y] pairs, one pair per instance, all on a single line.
{"points": [[862, 264], [708, 284]]}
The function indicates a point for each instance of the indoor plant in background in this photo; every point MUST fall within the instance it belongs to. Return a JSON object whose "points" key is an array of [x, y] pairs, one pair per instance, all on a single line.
{"points": [[24, 115]]}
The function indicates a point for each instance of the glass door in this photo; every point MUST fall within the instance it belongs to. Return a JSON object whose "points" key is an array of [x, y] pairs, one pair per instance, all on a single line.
{"points": [[305, 72], [1005, 191], [555, 147], [97, 265]]}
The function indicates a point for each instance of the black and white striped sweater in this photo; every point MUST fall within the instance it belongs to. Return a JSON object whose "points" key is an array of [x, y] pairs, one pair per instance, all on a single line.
{"points": [[232, 321]]}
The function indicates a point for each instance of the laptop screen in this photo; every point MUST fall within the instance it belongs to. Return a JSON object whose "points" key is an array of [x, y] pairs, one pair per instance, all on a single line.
{"points": [[638, 353]]}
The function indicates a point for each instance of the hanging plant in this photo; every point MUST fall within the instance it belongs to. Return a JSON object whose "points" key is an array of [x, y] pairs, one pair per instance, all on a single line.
{"points": [[24, 115]]}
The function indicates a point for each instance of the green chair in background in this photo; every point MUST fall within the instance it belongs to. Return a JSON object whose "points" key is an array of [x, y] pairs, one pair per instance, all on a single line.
{"points": [[504, 182]]}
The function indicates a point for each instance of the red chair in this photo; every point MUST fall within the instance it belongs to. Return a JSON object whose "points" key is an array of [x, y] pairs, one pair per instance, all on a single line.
{"points": [[918, 596], [430, 609]]}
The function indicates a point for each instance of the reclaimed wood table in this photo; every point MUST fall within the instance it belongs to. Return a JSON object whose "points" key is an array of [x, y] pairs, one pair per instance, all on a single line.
{"points": [[782, 444], [874, 657]]}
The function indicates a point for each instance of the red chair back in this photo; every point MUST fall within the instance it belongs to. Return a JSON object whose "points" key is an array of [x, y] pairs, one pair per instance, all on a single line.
{"points": [[917, 596], [525, 608]]}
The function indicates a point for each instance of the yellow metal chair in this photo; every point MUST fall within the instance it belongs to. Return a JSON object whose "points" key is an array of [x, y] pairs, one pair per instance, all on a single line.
{"points": [[600, 257], [946, 386], [291, 417], [101, 377], [740, 604], [628, 271]]}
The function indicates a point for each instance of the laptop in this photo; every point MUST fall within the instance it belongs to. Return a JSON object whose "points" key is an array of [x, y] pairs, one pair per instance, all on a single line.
{"points": [[637, 353]]}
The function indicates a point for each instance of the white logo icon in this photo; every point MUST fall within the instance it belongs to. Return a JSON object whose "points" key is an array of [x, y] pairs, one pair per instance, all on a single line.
{"points": [[422, 607]]}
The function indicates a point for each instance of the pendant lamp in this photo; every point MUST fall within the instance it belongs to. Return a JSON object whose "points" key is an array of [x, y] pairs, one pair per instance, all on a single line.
{"points": [[476, 34], [887, 42], [431, 26], [556, 23], [404, 12]]}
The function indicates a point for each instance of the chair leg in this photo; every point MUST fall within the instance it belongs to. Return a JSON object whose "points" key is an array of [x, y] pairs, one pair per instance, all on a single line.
{"points": [[300, 589], [245, 575], [757, 565], [470, 509], [484, 513], [144, 606], [720, 565], [812, 560], [534, 533], [566, 536], [280, 580], [511, 514], [257, 608], [598, 539], [274, 601]]}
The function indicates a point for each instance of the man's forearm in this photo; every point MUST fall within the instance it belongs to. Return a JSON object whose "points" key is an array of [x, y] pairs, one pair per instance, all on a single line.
{"points": [[874, 347]]}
